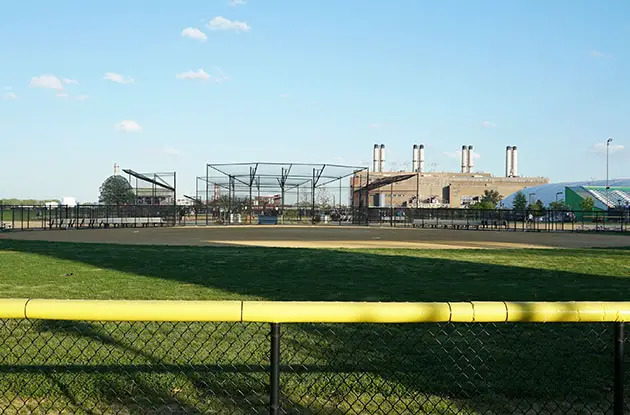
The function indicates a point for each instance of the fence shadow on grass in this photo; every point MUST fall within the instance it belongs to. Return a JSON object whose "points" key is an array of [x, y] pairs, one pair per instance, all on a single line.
{"points": [[433, 368]]}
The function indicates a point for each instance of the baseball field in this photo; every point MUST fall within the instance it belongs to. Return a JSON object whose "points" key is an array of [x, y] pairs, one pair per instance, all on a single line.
{"points": [[88, 367]]}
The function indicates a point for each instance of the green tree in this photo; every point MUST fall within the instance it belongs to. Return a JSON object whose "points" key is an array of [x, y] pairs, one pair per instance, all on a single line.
{"points": [[520, 201], [491, 198], [559, 205], [587, 204], [116, 190]]}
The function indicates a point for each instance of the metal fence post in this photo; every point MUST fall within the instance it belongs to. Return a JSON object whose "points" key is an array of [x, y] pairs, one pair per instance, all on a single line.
{"points": [[619, 356], [274, 371]]}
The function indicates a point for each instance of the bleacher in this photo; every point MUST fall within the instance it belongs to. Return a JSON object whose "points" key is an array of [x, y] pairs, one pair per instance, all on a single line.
{"points": [[612, 198], [106, 222]]}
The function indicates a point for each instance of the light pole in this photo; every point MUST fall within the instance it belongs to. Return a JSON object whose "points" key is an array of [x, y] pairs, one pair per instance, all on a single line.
{"points": [[557, 193], [530, 197], [607, 151]]}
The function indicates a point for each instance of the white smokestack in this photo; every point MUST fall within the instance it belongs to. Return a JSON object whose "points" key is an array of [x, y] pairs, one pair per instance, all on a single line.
{"points": [[470, 159], [381, 160], [375, 158], [508, 161], [514, 162], [414, 162], [464, 159], [421, 158]]}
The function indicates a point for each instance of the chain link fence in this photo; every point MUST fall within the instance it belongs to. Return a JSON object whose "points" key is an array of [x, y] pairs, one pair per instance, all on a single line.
{"points": [[81, 367], [108, 216]]}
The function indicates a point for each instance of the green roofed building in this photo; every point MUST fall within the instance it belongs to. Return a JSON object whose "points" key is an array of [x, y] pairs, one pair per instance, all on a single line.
{"points": [[614, 198]]}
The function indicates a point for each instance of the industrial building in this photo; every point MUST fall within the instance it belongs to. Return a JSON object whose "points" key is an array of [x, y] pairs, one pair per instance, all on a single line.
{"points": [[419, 188]]}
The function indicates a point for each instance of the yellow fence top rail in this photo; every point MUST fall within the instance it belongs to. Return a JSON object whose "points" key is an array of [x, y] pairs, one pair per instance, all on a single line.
{"points": [[314, 312]]}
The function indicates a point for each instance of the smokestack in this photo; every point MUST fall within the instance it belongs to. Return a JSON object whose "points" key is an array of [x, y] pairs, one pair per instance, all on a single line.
{"points": [[514, 162], [464, 159], [375, 158], [508, 161], [414, 163], [470, 159], [381, 160], [421, 158]]}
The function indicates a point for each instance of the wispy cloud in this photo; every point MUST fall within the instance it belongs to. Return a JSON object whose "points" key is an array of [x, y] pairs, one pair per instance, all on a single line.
{"points": [[81, 97], [221, 23], [62, 94], [599, 54], [236, 2], [201, 75], [10, 95], [600, 148], [46, 81], [118, 78], [488, 124], [128, 126], [70, 81], [194, 33]]}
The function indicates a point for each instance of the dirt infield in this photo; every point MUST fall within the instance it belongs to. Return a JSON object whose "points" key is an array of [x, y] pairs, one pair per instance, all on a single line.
{"points": [[327, 237]]}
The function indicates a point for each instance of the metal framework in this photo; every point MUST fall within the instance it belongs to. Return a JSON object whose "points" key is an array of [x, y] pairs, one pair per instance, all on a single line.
{"points": [[285, 192], [157, 191]]}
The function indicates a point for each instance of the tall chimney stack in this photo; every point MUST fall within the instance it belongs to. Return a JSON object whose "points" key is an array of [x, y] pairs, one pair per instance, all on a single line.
{"points": [[414, 162], [508, 161], [421, 158], [470, 159], [464, 159], [381, 160], [375, 155], [514, 162]]}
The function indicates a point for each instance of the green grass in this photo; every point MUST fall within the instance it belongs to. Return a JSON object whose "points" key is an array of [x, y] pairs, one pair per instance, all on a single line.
{"points": [[88, 367]]}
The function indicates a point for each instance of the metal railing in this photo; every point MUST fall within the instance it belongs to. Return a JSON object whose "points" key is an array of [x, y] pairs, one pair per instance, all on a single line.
{"points": [[243, 357]]}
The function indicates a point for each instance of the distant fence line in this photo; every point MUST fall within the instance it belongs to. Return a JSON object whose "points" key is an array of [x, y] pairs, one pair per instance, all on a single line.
{"points": [[255, 357], [107, 216]]}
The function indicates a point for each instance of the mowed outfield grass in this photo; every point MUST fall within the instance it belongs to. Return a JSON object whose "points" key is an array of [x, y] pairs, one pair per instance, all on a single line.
{"points": [[91, 367]]}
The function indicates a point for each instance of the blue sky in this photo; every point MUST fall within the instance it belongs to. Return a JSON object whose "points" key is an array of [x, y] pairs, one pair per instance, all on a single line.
{"points": [[87, 84]]}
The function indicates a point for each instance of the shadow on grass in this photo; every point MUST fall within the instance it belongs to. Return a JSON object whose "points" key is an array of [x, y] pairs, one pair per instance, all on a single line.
{"points": [[432, 368]]}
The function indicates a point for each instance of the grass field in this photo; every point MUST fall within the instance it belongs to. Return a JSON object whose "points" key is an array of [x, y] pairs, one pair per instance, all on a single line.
{"points": [[81, 367]]}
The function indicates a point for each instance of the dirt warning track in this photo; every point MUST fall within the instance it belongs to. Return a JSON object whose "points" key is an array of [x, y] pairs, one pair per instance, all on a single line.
{"points": [[327, 237]]}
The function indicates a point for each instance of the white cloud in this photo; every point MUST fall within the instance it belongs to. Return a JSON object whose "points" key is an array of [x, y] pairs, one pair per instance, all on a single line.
{"points": [[599, 54], [488, 124], [221, 23], [601, 148], [82, 97], [70, 81], [128, 126], [10, 95], [118, 78], [46, 81], [458, 154], [199, 74], [236, 2], [62, 95], [194, 33]]}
